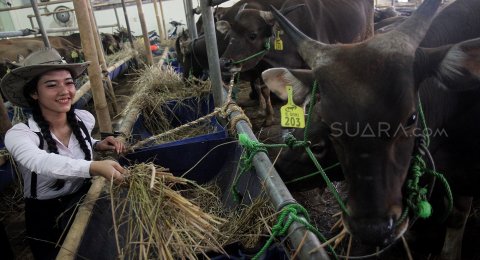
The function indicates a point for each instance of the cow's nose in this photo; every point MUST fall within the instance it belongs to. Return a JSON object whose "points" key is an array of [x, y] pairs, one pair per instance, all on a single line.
{"points": [[226, 64], [373, 231]]}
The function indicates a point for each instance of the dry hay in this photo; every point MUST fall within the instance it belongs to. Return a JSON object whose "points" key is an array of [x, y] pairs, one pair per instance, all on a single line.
{"points": [[162, 223], [154, 88], [124, 53], [170, 217]]}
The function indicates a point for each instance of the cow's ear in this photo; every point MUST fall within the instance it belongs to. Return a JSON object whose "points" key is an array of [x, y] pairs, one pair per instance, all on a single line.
{"points": [[455, 67], [223, 26], [277, 79]]}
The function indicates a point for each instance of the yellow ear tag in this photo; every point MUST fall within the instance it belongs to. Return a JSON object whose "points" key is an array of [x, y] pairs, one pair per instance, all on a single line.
{"points": [[291, 114], [278, 42]]}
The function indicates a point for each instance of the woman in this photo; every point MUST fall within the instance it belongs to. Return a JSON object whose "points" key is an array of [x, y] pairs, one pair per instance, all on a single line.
{"points": [[54, 147]]}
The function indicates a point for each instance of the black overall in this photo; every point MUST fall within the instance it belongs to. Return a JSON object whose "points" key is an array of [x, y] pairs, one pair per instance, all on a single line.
{"points": [[48, 221]]}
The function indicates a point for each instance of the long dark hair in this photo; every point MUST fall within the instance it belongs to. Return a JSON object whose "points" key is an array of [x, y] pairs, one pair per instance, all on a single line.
{"points": [[29, 89]]}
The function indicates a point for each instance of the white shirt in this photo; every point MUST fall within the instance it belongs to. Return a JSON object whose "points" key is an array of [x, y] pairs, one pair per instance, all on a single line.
{"points": [[69, 164]]}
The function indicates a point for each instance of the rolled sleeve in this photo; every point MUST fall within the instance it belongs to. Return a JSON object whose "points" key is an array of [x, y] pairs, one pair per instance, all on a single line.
{"points": [[22, 143]]}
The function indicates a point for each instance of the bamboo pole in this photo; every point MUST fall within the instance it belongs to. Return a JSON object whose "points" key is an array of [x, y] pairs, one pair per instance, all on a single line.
{"points": [[86, 87], [146, 41], [159, 21], [94, 72], [82, 218], [101, 60]]}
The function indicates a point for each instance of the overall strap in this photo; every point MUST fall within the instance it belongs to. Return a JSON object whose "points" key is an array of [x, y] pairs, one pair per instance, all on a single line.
{"points": [[85, 131], [33, 180]]}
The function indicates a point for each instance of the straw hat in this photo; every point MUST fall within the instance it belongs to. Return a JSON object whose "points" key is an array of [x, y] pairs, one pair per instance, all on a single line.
{"points": [[35, 64]]}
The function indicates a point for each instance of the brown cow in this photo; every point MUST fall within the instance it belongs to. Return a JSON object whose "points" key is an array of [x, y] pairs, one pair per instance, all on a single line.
{"points": [[377, 85]]}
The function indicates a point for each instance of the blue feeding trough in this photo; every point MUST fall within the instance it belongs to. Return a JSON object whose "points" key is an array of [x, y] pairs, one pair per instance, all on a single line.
{"points": [[7, 174], [197, 158]]}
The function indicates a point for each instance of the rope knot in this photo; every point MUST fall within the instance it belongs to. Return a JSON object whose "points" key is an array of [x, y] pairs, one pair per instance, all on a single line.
{"points": [[290, 140]]}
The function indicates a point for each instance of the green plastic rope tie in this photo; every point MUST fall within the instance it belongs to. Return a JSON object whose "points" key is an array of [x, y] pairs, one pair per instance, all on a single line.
{"points": [[288, 215], [251, 147], [417, 196], [266, 48]]}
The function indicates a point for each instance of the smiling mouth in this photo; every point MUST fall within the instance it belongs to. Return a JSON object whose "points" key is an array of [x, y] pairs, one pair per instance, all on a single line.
{"points": [[64, 100]]}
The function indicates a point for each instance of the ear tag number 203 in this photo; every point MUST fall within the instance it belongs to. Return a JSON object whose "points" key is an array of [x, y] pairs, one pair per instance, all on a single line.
{"points": [[291, 114]]}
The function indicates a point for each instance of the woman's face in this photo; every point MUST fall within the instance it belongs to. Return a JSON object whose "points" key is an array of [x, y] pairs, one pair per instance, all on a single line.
{"points": [[55, 91]]}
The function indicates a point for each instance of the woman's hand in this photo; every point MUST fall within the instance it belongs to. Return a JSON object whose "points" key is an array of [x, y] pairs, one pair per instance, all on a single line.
{"points": [[111, 143], [109, 170]]}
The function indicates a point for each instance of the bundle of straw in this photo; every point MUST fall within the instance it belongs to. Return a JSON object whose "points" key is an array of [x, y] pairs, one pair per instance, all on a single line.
{"points": [[154, 87], [162, 224]]}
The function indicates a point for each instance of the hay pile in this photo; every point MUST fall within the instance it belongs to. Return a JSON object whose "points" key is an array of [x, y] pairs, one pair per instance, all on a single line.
{"points": [[154, 88], [169, 217], [124, 53], [162, 224]]}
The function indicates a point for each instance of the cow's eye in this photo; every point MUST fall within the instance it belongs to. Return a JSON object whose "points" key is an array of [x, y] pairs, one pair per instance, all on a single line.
{"points": [[411, 120], [252, 36], [319, 149]]}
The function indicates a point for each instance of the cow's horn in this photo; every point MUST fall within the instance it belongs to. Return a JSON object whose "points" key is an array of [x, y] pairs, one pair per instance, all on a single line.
{"points": [[268, 16], [308, 48], [240, 10], [417, 25]]}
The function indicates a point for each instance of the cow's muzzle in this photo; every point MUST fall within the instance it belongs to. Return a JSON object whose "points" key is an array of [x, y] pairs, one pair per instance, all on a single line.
{"points": [[228, 66], [375, 231]]}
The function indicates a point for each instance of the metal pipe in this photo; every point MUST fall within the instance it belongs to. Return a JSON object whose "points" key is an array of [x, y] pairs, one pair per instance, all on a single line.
{"points": [[212, 52], [116, 17], [190, 16], [69, 29], [54, 12], [23, 32], [29, 6], [40, 24], [58, 2], [304, 241], [130, 38]]}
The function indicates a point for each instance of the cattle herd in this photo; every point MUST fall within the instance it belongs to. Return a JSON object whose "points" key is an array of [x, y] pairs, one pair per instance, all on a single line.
{"points": [[390, 87], [70, 47], [411, 81]]}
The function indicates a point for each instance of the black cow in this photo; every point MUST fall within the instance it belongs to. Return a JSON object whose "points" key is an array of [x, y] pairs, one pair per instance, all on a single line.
{"points": [[192, 55], [384, 13], [252, 33], [375, 84]]}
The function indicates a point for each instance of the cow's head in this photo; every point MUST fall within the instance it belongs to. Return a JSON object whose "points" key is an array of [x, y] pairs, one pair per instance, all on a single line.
{"points": [[109, 43], [295, 163], [368, 91], [250, 33], [192, 54]]}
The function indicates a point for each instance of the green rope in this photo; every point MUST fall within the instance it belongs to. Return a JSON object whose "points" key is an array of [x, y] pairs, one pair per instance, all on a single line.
{"points": [[313, 174], [417, 196], [267, 48], [288, 215], [251, 148]]}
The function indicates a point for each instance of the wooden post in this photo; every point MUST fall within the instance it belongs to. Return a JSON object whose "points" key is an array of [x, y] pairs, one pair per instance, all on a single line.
{"points": [[5, 122], [101, 59], [159, 21], [146, 41], [94, 72], [163, 20]]}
